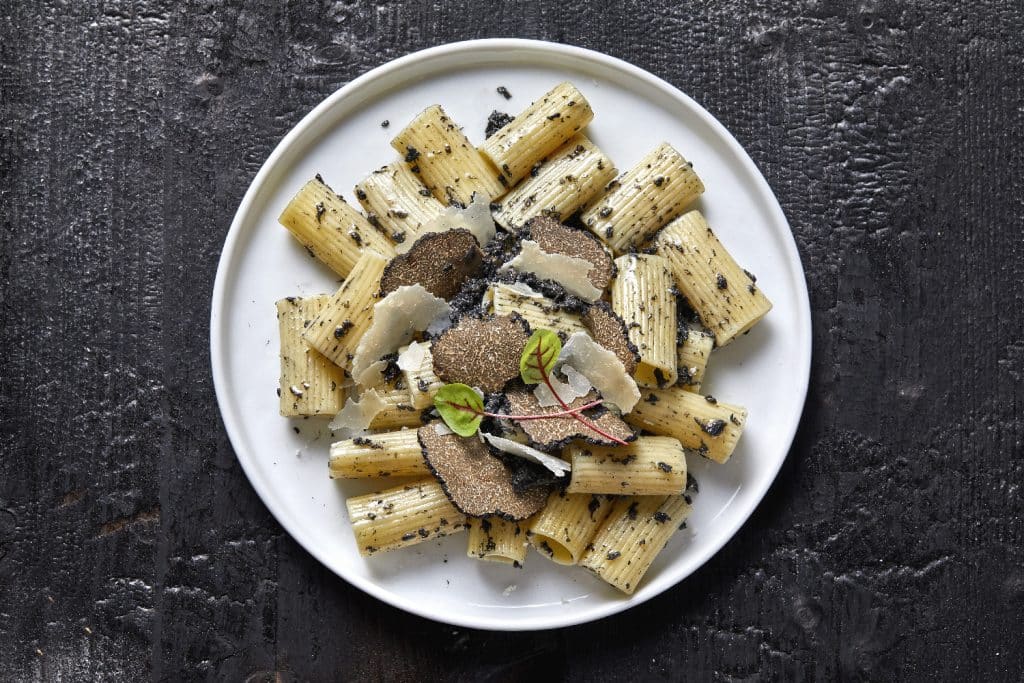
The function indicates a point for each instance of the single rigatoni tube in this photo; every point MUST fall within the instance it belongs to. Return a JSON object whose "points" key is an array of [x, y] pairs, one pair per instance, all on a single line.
{"points": [[538, 131], [309, 383], [537, 310], [647, 196], [395, 197], [388, 454], [692, 358], [641, 295], [649, 466], [701, 423], [402, 516], [331, 228], [398, 410], [436, 149], [562, 530], [497, 540], [723, 294], [635, 531], [342, 321], [573, 174], [421, 379]]}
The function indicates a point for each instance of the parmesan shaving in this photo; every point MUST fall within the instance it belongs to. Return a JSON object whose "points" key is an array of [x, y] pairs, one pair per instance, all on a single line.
{"points": [[356, 416], [396, 318], [603, 368], [569, 271], [476, 218], [577, 387], [557, 466], [412, 356]]}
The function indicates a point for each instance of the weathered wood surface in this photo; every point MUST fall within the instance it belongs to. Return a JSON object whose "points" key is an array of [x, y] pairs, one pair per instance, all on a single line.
{"points": [[131, 545]]}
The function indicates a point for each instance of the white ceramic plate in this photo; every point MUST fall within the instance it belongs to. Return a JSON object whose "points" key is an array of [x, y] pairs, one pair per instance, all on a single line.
{"points": [[342, 138]]}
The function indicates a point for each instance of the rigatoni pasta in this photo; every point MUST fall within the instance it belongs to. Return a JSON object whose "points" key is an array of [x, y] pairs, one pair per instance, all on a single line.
{"points": [[635, 531], [537, 131], [309, 383], [573, 174], [692, 358], [394, 196], [536, 309], [450, 166], [647, 196], [641, 295], [723, 294], [330, 228], [388, 454], [402, 516], [565, 526], [649, 466], [701, 423], [336, 331], [497, 540], [398, 410]]}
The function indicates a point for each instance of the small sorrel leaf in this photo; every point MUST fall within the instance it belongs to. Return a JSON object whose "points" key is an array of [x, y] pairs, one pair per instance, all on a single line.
{"points": [[460, 407], [539, 356]]}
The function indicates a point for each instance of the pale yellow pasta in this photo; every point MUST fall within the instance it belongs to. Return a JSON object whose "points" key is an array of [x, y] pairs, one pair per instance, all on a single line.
{"points": [[701, 423], [437, 150], [309, 383], [343, 320], [398, 201], [692, 358], [573, 174], [537, 131], [537, 310], [641, 295], [562, 530], [497, 540], [647, 196], [635, 531], [422, 381], [387, 454], [723, 294], [402, 516], [649, 466], [331, 228], [398, 409]]}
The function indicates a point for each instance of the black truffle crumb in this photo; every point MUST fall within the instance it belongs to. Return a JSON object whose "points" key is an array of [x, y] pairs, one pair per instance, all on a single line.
{"points": [[720, 281], [712, 427], [664, 467], [503, 91], [660, 517], [342, 329], [411, 154], [385, 123], [613, 555], [496, 121]]}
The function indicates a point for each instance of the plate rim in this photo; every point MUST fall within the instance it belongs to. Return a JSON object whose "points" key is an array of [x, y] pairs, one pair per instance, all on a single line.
{"points": [[250, 198]]}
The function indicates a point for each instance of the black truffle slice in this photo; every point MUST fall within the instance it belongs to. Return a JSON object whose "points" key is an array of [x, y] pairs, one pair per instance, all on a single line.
{"points": [[440, 261], [481, 352], [477, 482], [559, 431], [609, 330], [555, 238]]}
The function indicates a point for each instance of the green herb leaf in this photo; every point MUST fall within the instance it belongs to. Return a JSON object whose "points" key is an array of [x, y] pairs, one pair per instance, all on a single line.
{"points": [[539, 356], [461, 408]]}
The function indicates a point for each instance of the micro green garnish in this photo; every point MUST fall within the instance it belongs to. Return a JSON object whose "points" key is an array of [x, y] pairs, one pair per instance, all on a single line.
{"points": [[462, 408]]}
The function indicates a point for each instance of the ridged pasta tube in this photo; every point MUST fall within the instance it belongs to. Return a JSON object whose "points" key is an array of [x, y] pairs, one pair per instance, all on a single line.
{"points": [[398, 409], [692, 358], [497, 540], [573, 174], [538, 131], [562, 530], [635, 531], [330, 228], [709, 427], [398, 201], [537, 310], [449, 165], [402, 516], [388, 454], [349, 313], [309, 383], [647, 196], [649, 466], [723, 294], [641, 295]]}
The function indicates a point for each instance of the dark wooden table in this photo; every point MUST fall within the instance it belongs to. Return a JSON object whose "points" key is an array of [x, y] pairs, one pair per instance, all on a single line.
{"points": [[131, 544]]}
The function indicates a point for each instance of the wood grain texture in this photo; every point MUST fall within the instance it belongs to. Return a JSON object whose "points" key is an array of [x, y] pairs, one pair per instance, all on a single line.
{"points": [[892, 544]]}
